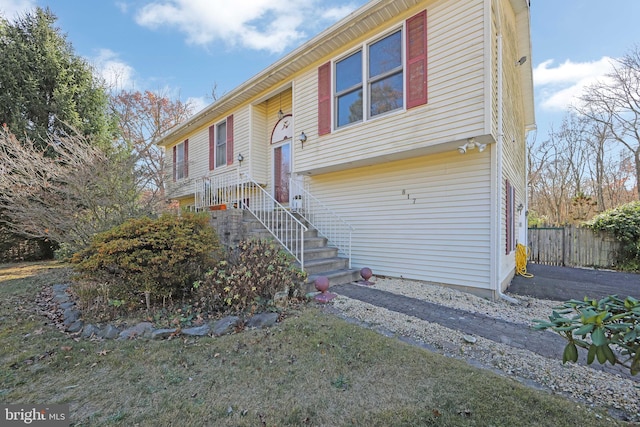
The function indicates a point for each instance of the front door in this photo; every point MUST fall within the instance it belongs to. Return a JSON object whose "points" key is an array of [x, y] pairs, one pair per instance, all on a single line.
{"points": [[282, 172]]}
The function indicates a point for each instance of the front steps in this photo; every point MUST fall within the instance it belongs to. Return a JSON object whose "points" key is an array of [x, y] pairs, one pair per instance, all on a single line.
{"points": [[319, 259]]}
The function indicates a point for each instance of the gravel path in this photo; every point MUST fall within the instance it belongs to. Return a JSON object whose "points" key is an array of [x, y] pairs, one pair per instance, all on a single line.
{"points": [[587, 386]]}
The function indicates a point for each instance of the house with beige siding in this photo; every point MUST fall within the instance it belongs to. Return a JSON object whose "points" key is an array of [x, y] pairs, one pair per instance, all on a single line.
{"points": [[395, 138]]}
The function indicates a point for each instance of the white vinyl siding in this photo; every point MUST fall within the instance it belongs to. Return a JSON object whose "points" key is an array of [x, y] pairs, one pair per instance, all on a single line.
{"points": [[455, 108], [426, 218]]}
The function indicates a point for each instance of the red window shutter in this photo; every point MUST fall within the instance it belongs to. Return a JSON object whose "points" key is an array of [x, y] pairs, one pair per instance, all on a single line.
{"points": [[175, 171], [212, 147], [508, 215], [416, 67], [230, 139], [324, 99], [186, 158]]}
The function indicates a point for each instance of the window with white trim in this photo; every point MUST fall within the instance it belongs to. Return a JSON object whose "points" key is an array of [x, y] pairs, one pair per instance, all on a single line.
{"points": [[221, 144], [180, 161], [380, 66]]}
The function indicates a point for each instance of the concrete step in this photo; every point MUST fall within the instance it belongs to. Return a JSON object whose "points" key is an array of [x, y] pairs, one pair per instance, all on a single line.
{"points": [[319, 266], [319, 253], [336, 277]]}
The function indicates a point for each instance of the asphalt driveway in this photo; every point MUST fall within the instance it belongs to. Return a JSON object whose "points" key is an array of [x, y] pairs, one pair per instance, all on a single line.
{"points": [[563, 283]]}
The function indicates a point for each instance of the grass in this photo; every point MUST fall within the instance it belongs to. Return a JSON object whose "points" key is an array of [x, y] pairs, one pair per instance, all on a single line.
{"points": [[312, 369]]}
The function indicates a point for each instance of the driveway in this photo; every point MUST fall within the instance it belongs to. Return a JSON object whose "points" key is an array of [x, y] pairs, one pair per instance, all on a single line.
{"points": [[564, 283]]}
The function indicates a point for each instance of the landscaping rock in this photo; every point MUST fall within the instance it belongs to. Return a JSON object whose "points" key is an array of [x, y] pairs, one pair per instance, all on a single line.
{"points": [[75, 326], [197, 331], [60, 287], [141, 330], [109, 332], [90, 330], [61, 297], [470, 339], [262, 320], [161, 334], [70, 315], [66, 305], [226, 325]]}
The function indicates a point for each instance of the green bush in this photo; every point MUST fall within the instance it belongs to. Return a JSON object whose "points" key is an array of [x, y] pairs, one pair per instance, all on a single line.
{"points": [[597, 326], [624, 223], [148, 259], [249, 278]]}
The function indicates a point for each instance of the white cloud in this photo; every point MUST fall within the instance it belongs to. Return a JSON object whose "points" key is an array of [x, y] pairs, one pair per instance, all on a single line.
{"points": [[271, 25], [337, 13], [117, 74], [198, 104], [560, 87], [10, 9]]}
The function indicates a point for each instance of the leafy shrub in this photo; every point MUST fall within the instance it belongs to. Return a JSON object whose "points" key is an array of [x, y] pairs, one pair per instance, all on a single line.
{"points": [[249, 278], [598, 325], [624, 223], [158, 258]]}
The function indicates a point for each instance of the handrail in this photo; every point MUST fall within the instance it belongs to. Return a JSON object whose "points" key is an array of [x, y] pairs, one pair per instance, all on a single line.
{"points": [[277, 219], [216, 190], [328, 223]]}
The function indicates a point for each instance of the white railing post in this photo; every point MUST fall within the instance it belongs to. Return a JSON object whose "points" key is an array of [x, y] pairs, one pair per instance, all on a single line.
{"points": [[328, 223], [281, 223]]}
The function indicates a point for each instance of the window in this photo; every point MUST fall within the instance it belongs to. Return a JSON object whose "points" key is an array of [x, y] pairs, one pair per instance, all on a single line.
{"points": [[375, 79], [349, 89], [221, 144], [386, 80], [384, 90], [180, 160], [510, 197]]}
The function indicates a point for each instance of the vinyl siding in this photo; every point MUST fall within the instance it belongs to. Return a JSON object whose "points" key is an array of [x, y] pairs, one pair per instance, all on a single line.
{"points": [[514, 134], [259, 145], [443, 236], [456, 90]]}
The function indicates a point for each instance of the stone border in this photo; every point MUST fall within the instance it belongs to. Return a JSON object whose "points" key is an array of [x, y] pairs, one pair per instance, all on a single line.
{"points": [[69, 319]]}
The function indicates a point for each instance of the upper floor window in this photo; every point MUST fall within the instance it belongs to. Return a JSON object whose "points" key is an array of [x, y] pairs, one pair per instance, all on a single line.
{"points": [[384, 77], [221, 144], [180, 160]]}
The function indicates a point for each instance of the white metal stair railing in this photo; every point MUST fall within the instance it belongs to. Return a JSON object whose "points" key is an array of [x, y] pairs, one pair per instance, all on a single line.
{"points": [[278, 220], [329, 224], [217, 190]]}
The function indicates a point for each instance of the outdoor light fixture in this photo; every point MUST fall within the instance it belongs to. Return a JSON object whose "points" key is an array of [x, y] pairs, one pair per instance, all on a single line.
{"points": [[240, 158], [470, 145], [280, 114], [520, 207], [302, 138]]}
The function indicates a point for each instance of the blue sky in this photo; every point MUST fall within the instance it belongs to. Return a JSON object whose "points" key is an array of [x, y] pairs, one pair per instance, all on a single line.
{"points": [[185, 48]]}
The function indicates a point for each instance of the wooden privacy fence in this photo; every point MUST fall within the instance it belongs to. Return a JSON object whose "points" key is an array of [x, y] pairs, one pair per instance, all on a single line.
{"points": [[572, 246]]}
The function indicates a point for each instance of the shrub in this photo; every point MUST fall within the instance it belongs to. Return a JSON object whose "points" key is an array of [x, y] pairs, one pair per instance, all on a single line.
{"points": [[249, 278], [624, 223], [158, 258], [598, 325]]}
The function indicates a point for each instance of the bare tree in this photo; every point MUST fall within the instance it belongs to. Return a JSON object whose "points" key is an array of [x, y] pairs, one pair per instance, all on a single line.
{"points": [[615, 103], [143, 117], [66, 191]]}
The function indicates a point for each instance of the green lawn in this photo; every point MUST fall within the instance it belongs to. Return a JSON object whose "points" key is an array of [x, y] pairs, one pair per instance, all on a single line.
{"points": [[312, 369]]}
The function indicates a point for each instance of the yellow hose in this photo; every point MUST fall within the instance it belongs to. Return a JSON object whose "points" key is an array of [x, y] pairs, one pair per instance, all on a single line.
{"points": [[522, 253]]}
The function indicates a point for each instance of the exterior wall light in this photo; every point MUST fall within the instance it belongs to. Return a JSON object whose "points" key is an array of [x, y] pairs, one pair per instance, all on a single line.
{"points": [[470, 145], [302, 138], [240, 158]]}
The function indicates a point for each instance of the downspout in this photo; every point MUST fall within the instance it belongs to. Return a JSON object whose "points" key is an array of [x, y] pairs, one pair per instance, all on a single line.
{"points": [[498, 183]]}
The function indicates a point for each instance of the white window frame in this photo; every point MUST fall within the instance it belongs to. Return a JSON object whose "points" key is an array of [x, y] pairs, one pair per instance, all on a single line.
{"points": [[366, 81], [180, 162], [221, 146]]}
